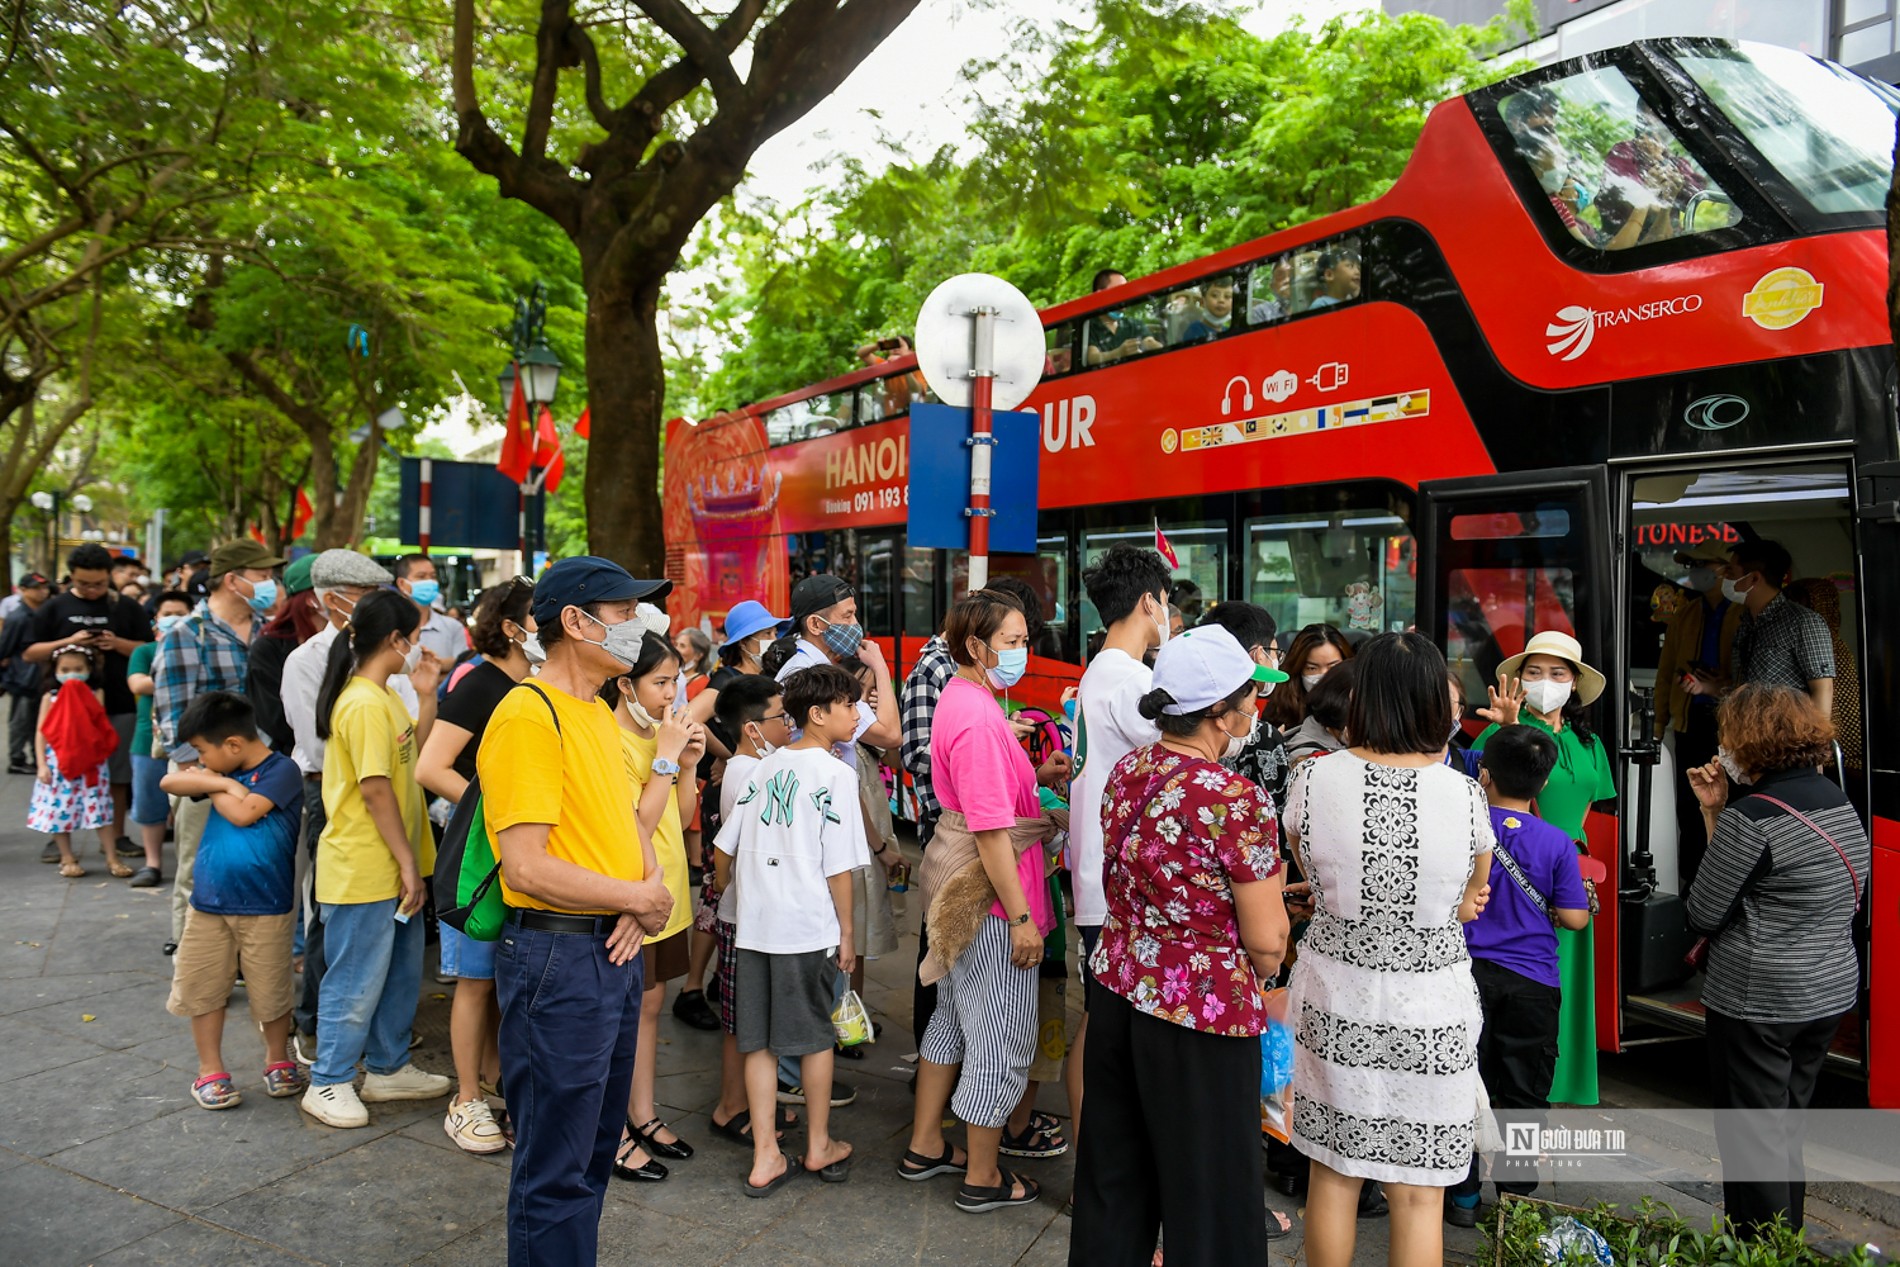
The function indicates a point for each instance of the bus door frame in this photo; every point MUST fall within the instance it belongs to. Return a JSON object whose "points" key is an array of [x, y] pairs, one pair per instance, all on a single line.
{"points": [[1877, 533], [1590, 549]]}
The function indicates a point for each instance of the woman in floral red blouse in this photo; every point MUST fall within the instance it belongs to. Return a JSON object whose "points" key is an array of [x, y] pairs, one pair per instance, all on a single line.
{"points": [[1196, 926]]}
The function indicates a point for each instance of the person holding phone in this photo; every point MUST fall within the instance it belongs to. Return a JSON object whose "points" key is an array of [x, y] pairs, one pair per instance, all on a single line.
{"points": [[1697, 657]]}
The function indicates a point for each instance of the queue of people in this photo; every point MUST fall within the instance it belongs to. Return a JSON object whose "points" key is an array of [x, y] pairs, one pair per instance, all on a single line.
{"points": [[1252, 831]]}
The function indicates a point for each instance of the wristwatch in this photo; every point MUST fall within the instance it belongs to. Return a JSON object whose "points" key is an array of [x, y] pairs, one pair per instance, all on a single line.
{"points": [[662, 765], [1020, 919]]}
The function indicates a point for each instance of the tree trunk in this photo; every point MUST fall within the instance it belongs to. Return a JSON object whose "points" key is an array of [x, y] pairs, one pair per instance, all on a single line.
{"points": [[626, 392], [6, 545]]}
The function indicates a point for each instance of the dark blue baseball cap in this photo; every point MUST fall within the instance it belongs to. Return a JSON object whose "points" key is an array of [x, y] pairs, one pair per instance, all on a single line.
{"points": [[588, 579]]}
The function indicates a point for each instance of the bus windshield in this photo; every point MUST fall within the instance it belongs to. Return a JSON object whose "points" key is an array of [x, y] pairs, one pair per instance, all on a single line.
{"points": [[1828, 131]]}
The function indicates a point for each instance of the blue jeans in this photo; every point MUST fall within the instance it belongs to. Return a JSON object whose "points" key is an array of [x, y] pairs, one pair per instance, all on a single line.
{"points": [[149, 803], [372, 977], [568, 1023]]}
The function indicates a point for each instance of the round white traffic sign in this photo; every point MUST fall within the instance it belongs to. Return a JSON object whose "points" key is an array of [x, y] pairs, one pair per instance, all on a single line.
{"points": [[946, 352]]}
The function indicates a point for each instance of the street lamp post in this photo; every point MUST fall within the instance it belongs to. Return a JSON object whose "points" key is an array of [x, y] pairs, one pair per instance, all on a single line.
{"points": [[49, 501], [537, 369]]}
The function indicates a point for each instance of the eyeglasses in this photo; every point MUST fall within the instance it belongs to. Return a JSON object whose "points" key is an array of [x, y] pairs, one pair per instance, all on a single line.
{"points": [[781, 716]]}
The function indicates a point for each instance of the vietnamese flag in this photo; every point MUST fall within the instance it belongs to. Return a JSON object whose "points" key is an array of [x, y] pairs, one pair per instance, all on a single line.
{"points": [[517, 442], [584, 425], [301, 514], [1163, 548], [547, 452]]}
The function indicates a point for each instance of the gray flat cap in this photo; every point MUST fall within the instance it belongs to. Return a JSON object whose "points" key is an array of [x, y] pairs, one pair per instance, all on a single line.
{"points": [[347, 567]]}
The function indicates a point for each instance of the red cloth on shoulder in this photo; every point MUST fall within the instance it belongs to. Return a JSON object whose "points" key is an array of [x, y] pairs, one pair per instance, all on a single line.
{"points": [[80, 732]]}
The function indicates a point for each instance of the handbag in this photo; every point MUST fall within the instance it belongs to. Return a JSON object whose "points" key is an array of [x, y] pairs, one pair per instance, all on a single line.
{"points": [[1699, 953]]}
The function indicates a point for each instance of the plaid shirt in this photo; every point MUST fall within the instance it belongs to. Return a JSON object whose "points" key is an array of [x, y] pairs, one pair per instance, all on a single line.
{"points": [[928, 677], [201, 654], [1784, 644]]}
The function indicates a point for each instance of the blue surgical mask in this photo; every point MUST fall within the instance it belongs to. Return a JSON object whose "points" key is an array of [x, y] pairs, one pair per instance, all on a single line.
{"points": [[72, 677], [425, 592], [168, 623], [1010, 666], [263, 595]]}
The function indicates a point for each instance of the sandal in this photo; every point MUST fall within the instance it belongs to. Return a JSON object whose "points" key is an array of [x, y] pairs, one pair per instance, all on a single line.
{"points": [[284, 1078], [72, 870], [678, 1150], [837, 1172], [982, 1200], [1279, 1226], [214, 1091], [738, 1127], [1037, 1141], [118, 869], [916, 1167], [786, 1176]]}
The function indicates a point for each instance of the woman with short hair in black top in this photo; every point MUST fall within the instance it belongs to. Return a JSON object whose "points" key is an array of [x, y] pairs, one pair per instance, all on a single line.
{"points": [[503, 632], [1776, 894]]}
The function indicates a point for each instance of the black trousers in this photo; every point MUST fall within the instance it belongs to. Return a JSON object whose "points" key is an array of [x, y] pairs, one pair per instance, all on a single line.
{"points": [[1174, 1137], [1517, 1058], [314, 819], [1695, 746], [923, 998], [23, 714], [1771, 1069]]}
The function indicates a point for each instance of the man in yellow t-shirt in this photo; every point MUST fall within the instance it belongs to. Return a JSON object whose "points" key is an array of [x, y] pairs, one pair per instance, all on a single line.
{"points": [[558, 794]]}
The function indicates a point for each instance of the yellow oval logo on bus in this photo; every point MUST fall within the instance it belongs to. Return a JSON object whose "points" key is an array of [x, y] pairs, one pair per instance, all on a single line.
{"points": [[1169, 439], [1782, 298]]}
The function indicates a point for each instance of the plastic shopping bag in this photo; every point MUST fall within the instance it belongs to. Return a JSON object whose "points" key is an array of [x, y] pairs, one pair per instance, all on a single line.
{"points": [[1276, 1068], [851, 1022]]}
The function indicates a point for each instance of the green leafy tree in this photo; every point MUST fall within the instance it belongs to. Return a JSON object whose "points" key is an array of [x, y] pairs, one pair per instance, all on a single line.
{"points": [[628, 156], [1155, 134]]}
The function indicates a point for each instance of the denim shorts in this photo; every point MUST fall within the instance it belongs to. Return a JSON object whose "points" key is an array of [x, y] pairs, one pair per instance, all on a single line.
{"points": [[149, 804], [466, 958]]}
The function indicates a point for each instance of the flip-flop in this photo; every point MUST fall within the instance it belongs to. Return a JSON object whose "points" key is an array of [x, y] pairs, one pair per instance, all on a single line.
{"points": [[837, 1172], [214, 1091], [738, 1127], [792, 1167]]}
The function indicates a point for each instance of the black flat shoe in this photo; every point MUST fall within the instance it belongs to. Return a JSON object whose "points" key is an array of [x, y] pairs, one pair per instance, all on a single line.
{"points": [[1371, 1201], [691, 1008], [652, 1172], [128, 849], [678, 1150]]}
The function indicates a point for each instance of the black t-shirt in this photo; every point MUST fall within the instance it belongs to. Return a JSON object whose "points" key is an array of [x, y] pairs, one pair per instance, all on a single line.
{"points": [[470, 705], [64, 615], [722, 677]]}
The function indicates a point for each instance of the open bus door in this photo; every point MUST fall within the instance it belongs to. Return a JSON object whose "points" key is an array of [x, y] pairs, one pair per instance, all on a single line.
{"points": [[1502, 557]]}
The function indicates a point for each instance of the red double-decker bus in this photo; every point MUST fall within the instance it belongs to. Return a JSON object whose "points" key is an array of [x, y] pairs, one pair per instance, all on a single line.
{"points": [[1612, 308]]}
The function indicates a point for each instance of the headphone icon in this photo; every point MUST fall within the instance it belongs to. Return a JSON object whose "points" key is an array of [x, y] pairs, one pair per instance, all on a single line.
{"points": [[1227, 395]]}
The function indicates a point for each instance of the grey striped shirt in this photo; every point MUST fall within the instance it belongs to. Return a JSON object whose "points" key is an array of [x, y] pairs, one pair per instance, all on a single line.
{"points": [[1788, 954]]}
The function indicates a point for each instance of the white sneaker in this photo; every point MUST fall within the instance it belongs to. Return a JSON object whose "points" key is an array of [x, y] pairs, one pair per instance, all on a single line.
{"points": [[407, 1083], [303, 1048], [473, 1128], [335, 1105]]}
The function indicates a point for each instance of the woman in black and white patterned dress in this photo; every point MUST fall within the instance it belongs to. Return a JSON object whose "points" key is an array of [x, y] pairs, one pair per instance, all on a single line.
{"points": [[1385, 1015]]}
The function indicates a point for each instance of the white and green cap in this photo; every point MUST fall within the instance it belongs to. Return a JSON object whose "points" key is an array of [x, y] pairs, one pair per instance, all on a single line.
{"points": [[1205, 665]]}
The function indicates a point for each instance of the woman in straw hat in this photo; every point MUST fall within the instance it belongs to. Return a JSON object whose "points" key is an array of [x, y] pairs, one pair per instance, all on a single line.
{"points": [[1549, 686]]}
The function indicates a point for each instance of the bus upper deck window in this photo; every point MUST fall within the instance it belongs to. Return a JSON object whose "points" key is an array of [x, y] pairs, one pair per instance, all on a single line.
{"points": [[1828, 131], [1613, 171], [1121, 333]]}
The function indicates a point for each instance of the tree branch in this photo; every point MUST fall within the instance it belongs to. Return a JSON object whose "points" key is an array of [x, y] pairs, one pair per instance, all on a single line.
{"points": [[549, 37], [702, 45], [671, 86], [542, 184], [583, 45]]}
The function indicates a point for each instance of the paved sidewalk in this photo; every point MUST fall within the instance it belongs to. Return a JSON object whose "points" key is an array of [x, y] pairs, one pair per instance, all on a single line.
{"points": [[103, 1158]]}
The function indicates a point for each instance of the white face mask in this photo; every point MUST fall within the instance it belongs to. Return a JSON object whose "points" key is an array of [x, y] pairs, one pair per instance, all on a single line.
{"points": [[1731, 768], [1310, 680], [1702, 580], [621, 641], [636, 710], [766, 746], [1545, 696], [1238, 743], [1732, 593], [532, 648], [412, 658], [1163, 625]]}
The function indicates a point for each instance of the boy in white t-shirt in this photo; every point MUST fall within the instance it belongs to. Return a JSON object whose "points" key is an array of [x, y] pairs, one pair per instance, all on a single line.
{"points": [[1129, 587], [753, 708], [793, 839]]}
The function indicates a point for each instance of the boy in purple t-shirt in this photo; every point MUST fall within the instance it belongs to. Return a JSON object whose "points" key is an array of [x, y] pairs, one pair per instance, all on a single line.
{"points": [[1535, 883]]}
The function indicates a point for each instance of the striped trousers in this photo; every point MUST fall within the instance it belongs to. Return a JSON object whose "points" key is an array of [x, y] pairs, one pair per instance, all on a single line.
{"points": [[985, 1021]]}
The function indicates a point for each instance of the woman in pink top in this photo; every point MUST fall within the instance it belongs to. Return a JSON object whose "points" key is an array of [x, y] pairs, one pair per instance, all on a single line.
{"points": [[986, 1008]]}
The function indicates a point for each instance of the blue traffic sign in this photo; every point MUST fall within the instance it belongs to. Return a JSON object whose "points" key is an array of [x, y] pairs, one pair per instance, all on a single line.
{"points": [[940, 479]]}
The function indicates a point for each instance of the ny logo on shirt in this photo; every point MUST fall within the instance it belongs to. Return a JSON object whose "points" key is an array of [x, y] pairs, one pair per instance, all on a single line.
{"points": [[822, 799], [780, 793]]}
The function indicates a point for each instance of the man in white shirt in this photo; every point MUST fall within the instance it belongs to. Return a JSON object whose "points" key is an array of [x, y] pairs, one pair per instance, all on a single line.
{"points": [[442, 637], [340, 579], [825, 620], [1129, 587]]}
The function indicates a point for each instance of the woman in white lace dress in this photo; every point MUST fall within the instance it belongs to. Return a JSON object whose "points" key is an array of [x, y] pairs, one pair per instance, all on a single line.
{"points": [[1385, 1016]]}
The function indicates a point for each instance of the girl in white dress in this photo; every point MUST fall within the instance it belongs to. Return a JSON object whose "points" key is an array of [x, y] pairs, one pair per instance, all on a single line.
{"points": [[1396, 846]]}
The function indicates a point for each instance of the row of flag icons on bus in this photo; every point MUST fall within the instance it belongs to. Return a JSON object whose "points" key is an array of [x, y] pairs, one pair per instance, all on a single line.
{"points": [[1352, 413]]}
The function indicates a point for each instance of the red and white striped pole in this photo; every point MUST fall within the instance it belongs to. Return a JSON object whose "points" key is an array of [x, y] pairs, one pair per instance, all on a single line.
{"points": [[423, 524], [982, 441]]}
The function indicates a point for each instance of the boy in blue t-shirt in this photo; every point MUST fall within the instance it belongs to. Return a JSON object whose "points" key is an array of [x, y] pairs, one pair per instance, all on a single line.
{"points": [[1535, 883], [244, 893]]}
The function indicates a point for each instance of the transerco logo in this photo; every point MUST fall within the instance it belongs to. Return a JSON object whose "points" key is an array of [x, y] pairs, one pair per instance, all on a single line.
{"points": [[1574, 328]]}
